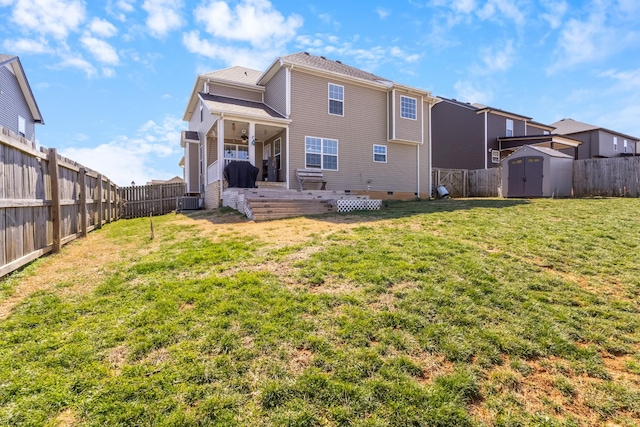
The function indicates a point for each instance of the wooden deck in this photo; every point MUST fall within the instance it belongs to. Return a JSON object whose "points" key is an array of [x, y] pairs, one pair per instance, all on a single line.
{"points": [[263, 204]]}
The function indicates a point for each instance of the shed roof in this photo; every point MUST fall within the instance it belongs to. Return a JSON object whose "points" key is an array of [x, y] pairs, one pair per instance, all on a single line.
{"points": [[544, 150]]}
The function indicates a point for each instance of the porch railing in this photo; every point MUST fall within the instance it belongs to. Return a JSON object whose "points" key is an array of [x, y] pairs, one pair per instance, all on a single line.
{"points": [[213, 172]]}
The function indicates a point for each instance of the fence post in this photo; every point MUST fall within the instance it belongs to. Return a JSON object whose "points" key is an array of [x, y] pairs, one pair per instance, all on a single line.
{"points": [[56, 210], [83, 202], [100, 208], [109, 202]]}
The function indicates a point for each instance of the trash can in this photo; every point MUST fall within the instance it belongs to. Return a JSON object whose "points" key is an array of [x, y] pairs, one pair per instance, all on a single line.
{"points": [[442, 192]]}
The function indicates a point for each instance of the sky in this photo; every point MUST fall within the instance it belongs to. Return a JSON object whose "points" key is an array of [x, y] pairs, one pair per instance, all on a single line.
{"points": [[112, 78]]}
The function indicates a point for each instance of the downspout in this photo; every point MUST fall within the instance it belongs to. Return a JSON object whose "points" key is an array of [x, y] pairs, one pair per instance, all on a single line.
{"points": [[221, 153], [430, 171], [393, 114], [486, 139]]}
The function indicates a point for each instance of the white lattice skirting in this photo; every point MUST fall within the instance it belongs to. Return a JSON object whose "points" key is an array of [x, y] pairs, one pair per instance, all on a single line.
{"points": [[348, 205]]}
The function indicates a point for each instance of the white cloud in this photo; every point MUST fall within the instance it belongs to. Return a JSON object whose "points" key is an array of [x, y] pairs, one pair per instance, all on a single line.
{"points": [[102, 28], [555, 12], [468, 92], [25, 46], [100, 50], [496, 59], [382, 13], [126, 5], [245, 23], [592, 39], [232, 55], [49, 17], [163, 16], [108, 72], [70, 60], [367, 58], [463, 6], [628, 80], [252, 21], [127, 159], [500, 9]]}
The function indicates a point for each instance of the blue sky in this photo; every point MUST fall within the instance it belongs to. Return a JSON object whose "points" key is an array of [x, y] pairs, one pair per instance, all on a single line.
{"points": [[112, 78]]}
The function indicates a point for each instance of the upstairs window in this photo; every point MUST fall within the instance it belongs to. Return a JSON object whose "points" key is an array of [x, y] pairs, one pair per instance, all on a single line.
{"points": [[624, 145], [321, 153], [615, 143], [22, 126], [509, 127], [336, 100], [408, 108]]}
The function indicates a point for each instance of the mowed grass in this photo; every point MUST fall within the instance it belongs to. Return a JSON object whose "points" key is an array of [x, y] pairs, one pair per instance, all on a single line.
{"points": [[441, 313]]}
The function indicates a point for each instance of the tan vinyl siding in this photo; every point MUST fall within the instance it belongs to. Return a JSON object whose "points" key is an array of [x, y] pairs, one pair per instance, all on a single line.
{"points": [[408, 129], [364, 124], [275, 95], [235, 92]]}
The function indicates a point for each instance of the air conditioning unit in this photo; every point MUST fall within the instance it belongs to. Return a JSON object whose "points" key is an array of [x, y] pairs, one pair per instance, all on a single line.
{"points": [[189, 203]]}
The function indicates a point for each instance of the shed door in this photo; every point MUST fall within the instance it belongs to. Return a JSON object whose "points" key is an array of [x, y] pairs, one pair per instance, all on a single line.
{"points": [[525, 176]]}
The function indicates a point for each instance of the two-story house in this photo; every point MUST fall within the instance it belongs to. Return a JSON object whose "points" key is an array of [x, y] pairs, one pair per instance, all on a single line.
{"points": [[597, 142], [19, 111], [366, 133], [476, 136]]}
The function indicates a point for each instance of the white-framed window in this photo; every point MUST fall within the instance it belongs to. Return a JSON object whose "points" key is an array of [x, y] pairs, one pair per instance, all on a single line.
{"points": [[379, 153], [235, 152], [408, 108], [495, 156], [615, 143], [201, 112], [546, 132], [321, 153], [336, 100], [22, 126], [509, 127], [625, 145], [277, 146]]}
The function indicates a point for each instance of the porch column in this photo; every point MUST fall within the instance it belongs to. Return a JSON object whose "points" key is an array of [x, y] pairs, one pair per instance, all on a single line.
{"points": [[252, 143], [220, 133]]}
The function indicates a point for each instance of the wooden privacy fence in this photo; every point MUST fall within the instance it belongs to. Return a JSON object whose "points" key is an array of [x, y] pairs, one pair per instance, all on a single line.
{"points": [[613, 177], [46, 201], [145, 200], [485, 182]]}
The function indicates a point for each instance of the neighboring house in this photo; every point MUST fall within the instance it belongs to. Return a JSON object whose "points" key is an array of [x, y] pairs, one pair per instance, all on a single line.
{"points": [[597, 142], [366, 133], [475, 136], [18, 108], [174, 180]]}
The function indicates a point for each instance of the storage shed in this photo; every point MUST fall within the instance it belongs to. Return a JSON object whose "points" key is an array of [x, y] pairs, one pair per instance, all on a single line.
{"points": [[537, 172]]}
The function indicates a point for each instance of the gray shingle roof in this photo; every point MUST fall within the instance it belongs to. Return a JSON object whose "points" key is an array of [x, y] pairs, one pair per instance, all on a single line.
{"points": [[565, 126], [236, 74], [237, 106], [322, 63], [570, 126]]}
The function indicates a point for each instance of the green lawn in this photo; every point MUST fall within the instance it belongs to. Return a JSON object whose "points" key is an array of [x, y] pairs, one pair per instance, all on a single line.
{"points": [[440, 313]]}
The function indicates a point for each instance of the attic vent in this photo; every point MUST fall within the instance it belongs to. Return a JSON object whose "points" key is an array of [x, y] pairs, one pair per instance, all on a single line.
{"points": [[339, 62], [323, 57], [306, 53]]}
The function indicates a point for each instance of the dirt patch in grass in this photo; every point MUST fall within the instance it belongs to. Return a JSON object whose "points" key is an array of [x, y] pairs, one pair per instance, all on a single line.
{"points": [[117, 357], [79, 267], [66, 418]]}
